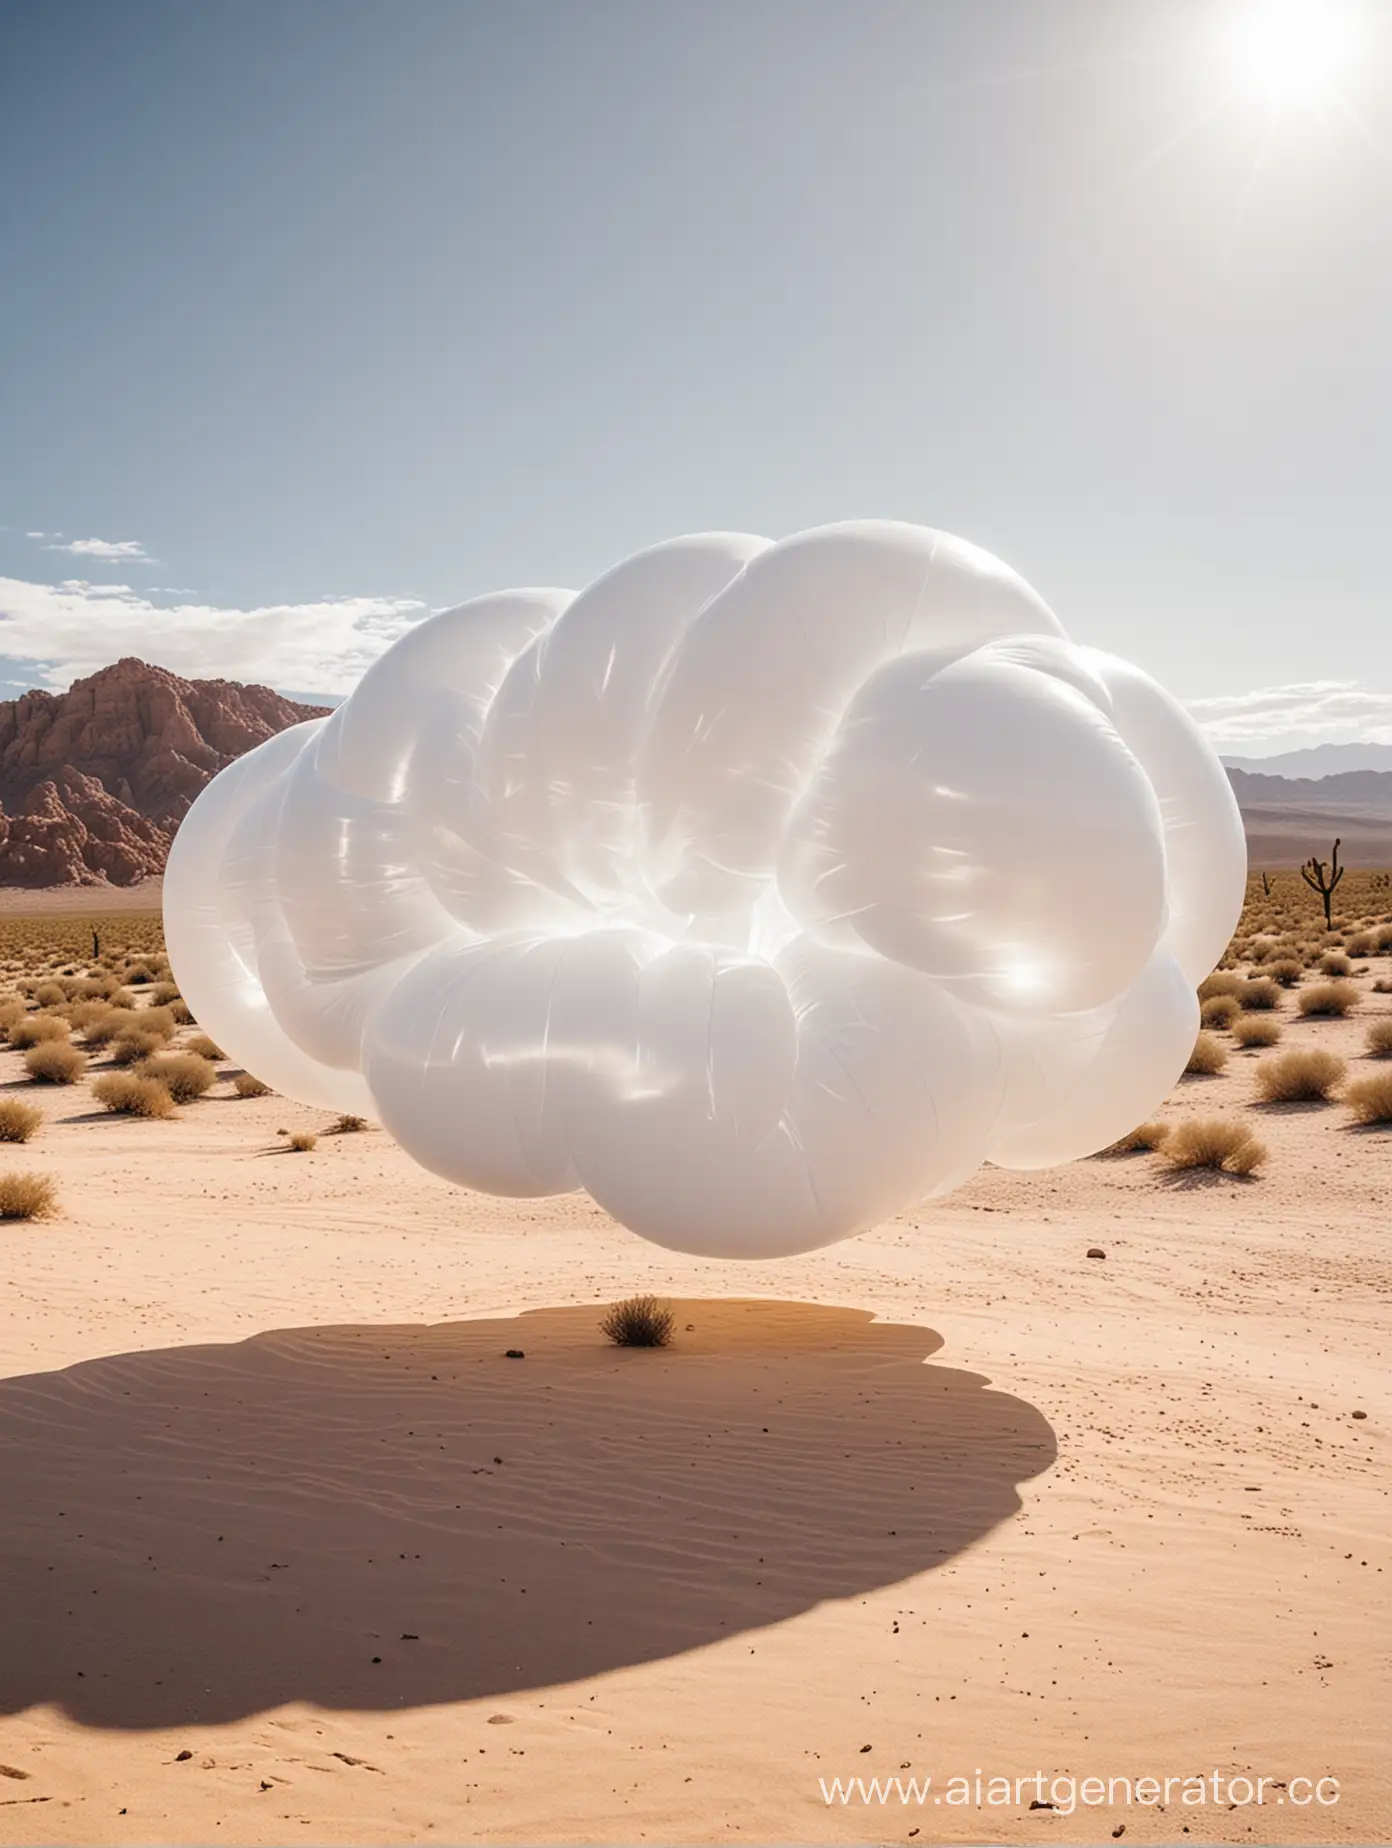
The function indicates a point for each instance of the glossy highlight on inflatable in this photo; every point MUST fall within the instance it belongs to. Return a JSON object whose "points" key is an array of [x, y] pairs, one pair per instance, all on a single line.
{"points": [[759, 889]]}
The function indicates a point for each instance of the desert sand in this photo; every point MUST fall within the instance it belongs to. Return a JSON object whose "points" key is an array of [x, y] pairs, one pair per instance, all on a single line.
{"points": [[292, 1551]]}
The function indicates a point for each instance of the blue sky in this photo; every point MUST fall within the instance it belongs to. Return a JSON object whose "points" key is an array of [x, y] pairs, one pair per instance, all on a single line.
{"points": [[319, 315]]}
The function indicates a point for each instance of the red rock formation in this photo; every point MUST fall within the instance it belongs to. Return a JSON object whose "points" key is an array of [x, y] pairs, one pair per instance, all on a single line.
{"points": [[94, 781]]}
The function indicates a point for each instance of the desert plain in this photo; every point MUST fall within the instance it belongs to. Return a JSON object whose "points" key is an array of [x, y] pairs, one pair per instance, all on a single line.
{"points": [[328, 1516]]}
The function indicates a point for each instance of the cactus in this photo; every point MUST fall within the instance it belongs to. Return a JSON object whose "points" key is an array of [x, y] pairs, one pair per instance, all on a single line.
{"points": [[1323, 878], [1266, 885]]}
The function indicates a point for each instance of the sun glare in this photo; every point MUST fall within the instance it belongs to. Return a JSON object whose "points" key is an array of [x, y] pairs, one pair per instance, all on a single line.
{"points": [[1292, 49]]}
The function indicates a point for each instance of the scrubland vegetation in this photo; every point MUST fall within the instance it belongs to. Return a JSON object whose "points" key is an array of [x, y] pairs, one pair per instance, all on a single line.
{"points": [[1287, 996], [1287, 977]]}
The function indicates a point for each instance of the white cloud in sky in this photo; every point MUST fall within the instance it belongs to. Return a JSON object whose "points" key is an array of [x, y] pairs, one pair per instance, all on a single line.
{"points": [[74, 628], [1304, 712], [111, 550]]}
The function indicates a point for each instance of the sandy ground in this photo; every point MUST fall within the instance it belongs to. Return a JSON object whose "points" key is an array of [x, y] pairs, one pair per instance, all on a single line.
{"points": [[65, 901], [291, 1551]]}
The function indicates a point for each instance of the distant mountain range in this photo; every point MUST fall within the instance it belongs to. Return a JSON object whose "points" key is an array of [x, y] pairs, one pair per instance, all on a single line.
{"points": [[1289, 818], [1319, 761]]}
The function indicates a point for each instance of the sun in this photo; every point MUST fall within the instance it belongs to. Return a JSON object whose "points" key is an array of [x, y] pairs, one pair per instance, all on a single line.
{"points": [[1292, 49]]}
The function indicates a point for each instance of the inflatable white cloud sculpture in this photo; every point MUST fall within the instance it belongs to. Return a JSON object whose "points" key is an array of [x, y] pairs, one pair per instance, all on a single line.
{"points": [[759, 889]]}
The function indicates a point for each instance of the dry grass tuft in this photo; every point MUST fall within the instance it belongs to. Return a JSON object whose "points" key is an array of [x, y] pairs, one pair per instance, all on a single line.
{"points": [[1221, 982], [126, 1095], [205, 1048], [638, 1321], [1305, 1075], [1208, 1057], [1328, 998], [37, 1029], [1334, 962], [1220, 1011], [1370, 1099], [26, 1196], [107, 1025], [1259, 995], [1256, 1030], [55, 1062], [1285, 972], [1215, 1142], [130, 1048], [247, 1084], [348, 1125], [1379, 1040], [302, 1142], [183, 1074], [18, 1120], [1142, 1140]]}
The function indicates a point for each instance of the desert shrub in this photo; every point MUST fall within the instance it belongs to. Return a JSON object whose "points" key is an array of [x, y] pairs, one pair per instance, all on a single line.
{"points": [[81, 1014], [1219, 983], [1370, 1099], [1328, 998], [1285, 971], [1259, 995], [127, 1095], [1379, 1040], [1334, 962], [1382, 986], [1220, 1011], [247, 1084], [1141, 1140], [1256, 1030], [159, 1020], [18, 1120], [26, 1196], [638, 1321], [139, 974], [205, 1048], [96, 988], [36, 1029], [50, 994], [164, 992], [347, 1125], [183, 1074], [1215, 1142], [54, 1062], [1363, 943], [1208, 1057], [106, 1026], [1305, 1075], [131, 1047], [302, 1142]]}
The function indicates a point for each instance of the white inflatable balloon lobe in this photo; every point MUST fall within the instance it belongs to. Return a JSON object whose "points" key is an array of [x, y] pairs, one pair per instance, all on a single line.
{"points": [[759, 890]]}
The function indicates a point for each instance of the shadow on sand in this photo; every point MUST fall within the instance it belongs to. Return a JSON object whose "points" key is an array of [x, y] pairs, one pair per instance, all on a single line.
{"points": [[378, 1517]]}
